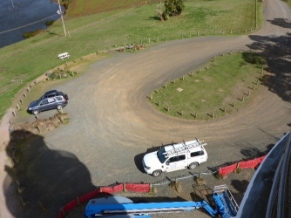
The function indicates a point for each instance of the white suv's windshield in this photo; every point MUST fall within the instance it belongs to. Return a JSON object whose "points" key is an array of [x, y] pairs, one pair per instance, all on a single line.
{"points": [[161, 155]]}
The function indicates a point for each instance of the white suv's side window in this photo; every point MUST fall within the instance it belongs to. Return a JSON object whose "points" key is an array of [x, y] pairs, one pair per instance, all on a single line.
{"points": [[197, 153], [177, 158]]}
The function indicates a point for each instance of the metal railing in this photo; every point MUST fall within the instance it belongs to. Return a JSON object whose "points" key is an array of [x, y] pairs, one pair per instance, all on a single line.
{"points": [[223, 189]]}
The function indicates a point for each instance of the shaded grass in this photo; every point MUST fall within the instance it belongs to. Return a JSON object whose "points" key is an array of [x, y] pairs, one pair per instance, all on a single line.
{"points": [[82, 7], [26, 60], [216, 90]]}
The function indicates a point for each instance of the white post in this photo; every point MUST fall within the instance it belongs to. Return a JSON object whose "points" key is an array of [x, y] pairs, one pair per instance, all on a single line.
{"points": [[61, 13]]}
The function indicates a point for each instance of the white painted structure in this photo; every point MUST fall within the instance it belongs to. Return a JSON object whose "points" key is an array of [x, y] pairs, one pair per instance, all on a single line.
{"points": [[63, 55]]}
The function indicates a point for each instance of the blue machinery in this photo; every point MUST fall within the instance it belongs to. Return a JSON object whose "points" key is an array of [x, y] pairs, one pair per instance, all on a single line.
{"points": [[122, 207]]}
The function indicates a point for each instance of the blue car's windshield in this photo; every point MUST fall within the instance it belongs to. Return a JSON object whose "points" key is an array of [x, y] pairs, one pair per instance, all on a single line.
{"points": [[161, 155], [39, 99]]}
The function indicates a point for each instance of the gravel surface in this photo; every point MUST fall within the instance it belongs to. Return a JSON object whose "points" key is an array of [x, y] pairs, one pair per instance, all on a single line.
{"points": [[112, 125]]}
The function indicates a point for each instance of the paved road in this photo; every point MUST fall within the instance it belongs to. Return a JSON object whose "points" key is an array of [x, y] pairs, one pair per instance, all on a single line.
{"points": [[112, 124]]}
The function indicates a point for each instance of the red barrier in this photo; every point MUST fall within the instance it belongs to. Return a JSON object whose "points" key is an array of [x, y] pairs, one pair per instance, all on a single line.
{"points": [[113, 189], [260, 159], [227, 170], [70, 206], [61, 215], [89, 196], [248, 164], [142, 188]]}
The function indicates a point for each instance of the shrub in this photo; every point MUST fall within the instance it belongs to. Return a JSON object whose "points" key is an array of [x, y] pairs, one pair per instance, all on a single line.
{"points": [[173, 8], [31, 34], [49, 23]]}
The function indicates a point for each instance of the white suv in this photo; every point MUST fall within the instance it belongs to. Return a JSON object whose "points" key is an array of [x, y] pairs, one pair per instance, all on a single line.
{"points": [[175, 157]]}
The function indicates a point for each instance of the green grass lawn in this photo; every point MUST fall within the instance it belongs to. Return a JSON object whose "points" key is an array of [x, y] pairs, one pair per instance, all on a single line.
{"points": [[220, 89], [22, 62]]}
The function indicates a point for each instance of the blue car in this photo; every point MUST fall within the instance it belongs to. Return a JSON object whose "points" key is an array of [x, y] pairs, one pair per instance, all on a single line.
{"points": [[50, 100]]}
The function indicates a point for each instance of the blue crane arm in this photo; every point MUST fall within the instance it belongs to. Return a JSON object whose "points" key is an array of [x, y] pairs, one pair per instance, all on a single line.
{"points": [[139, 208]]}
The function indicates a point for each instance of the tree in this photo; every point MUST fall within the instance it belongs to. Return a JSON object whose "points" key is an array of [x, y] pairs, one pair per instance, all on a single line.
{"points": [[173, 8]]}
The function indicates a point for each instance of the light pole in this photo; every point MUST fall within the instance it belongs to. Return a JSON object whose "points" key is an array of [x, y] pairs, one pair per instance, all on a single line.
{"points": [[61, 13]]}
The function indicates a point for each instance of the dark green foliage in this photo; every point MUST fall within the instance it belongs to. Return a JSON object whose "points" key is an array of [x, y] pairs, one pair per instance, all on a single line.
{"points": [[173, 8], [66, 4], [31, 34], [253, 58], [49, 23]]}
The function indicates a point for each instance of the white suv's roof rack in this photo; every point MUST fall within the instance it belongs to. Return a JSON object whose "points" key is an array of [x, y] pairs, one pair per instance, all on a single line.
{"points": [[185, 146]]}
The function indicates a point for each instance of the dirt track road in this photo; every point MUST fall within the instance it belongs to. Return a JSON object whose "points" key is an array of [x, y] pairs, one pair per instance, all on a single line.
{"points": [[112, 124]]}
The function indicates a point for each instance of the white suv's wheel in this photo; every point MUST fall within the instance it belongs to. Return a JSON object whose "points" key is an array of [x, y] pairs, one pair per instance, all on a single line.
{"points": [[59, 107], [157, 173], [192, 166]]}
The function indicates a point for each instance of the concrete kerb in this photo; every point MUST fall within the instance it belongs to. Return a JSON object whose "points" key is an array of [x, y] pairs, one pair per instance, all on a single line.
{"points": [[167, 181]]}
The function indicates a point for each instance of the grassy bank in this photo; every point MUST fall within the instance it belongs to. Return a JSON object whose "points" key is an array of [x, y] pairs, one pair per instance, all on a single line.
{"points": [[23, 62], [82, 7], [223, 87]]}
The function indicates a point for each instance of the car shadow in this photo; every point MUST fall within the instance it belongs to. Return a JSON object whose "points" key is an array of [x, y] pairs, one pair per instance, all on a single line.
{"points": [[138, 158]]}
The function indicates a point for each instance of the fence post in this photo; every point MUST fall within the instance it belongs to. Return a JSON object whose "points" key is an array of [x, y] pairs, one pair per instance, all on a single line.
{"points": [[41, 205], [256, 13]]}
